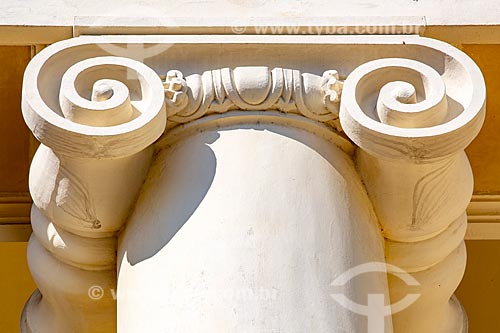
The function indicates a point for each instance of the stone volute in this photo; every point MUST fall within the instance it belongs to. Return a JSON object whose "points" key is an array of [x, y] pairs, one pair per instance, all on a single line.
{"points": [[206, 191]]}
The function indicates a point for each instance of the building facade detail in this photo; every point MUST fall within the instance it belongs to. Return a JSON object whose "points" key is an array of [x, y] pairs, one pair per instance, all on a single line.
{"points": [[253, 88], [226, 190]]}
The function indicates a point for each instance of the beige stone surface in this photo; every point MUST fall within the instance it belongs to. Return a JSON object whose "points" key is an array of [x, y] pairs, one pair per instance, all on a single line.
{"points": [[97, 116], [458, 23]]}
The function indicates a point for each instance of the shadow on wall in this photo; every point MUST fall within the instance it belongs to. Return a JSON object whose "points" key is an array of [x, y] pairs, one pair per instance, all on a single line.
{"points": [[181, 196]]}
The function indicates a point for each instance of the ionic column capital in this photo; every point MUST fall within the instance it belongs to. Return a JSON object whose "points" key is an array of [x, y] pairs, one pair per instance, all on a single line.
{"points": [[402, 108]]}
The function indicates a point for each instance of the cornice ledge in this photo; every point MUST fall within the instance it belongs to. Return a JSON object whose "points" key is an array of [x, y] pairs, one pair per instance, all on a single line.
{"points": [[484, 208]]}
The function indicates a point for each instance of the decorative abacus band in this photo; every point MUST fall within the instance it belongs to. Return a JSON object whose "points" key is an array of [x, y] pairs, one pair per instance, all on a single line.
{"points": [[253, 89]]}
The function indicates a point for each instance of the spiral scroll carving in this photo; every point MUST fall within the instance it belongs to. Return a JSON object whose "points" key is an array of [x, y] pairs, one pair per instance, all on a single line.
{"points": [[400, 108], [109, 107]]}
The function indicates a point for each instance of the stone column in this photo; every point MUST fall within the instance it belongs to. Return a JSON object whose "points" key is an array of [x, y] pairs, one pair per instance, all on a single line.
{"points": [[250, 198], [83, 179], [412, 138]]}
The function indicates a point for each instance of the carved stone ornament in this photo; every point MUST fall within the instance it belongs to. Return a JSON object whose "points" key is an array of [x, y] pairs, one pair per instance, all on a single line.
{"points": [[231, 183], [253, 88]]}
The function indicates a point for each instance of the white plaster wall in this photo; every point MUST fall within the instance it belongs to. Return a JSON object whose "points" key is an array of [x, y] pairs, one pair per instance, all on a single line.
{"points": [[244, 229]]}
